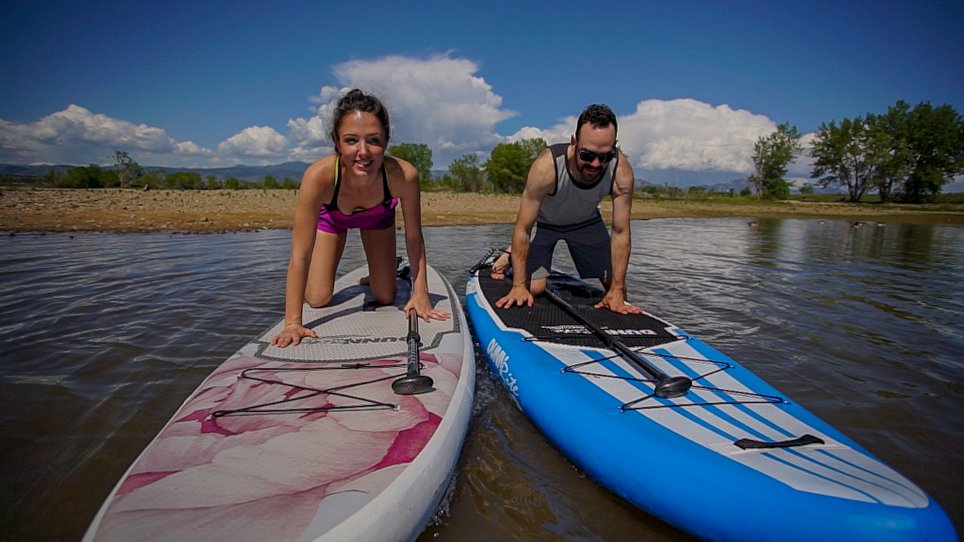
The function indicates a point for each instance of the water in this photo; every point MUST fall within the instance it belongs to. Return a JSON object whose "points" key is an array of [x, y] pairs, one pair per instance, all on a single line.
{"points": [[104, 335]]}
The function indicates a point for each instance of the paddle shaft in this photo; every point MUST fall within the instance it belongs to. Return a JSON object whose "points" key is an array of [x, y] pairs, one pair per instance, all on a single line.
{"points": [[413, 342], [413, 382], [666, 386]]}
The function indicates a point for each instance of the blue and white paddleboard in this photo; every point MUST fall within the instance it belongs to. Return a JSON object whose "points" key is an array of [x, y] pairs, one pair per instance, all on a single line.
{"points": [[682, 431]]}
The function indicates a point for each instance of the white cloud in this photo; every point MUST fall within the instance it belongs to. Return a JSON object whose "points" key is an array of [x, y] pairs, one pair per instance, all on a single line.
{"points": [[804, 163], [681, 134], [560, 133], [78, 136], [688, 134], [310, 138], [255, 141], [438, 101]]}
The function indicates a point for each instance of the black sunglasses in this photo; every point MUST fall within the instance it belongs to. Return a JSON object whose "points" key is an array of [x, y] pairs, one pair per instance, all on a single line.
{"points": [[589, 156]]}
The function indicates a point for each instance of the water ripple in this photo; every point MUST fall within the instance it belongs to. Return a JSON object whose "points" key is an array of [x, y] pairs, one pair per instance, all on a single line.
{"points": [[104, 336]]}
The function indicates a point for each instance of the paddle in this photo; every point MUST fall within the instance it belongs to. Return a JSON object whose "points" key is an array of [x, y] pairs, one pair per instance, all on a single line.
{"points": [[666, 386], [413, 382]]}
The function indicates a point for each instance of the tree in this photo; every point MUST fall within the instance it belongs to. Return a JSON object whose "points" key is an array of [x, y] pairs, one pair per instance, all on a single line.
{"points": [[508, 165], [913, 152], [127, 169], [935, 144], [467, 173], [417, 154], [772, 155], [887, 135], [184, 180], [92, 176], [843, 156]]}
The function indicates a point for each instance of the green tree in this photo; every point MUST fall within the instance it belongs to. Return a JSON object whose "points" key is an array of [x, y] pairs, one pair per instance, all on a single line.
{"points": [[152, 180], [92, 176], [772, 154], [270, 181], [128, 170], [508, 165], [935, 147], [844, 156], [417, 154], [887, 137], [913, 152], [184, 180], [467, 173]]}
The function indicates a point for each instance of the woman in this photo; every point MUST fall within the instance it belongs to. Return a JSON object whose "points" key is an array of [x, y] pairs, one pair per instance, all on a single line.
{"points": [[357, 187]]}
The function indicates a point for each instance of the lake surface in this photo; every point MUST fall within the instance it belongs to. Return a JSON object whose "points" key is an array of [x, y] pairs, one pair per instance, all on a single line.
{"points": [[103, 336]]}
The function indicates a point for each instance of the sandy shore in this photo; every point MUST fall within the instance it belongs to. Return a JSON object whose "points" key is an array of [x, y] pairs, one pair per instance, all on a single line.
{"points": [[201, 211]]}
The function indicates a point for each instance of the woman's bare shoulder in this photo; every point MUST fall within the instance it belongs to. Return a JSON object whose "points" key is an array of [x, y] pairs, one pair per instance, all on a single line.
{"points": [[400, 170], [321, 170]]}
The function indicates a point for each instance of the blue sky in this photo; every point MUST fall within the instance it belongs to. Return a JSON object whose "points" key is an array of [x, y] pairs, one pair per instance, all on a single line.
{"points": [[694, 84]]}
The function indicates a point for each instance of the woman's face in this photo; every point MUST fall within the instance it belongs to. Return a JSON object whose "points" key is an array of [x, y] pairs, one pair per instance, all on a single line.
{"points": [[361, 142]]}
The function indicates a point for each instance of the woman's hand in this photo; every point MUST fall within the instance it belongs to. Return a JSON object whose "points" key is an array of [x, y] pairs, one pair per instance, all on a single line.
{"points": [[291, 335], [423, 308]]}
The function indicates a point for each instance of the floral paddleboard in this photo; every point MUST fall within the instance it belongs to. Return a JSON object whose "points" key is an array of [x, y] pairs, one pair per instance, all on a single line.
{"points": [[310, 442]]}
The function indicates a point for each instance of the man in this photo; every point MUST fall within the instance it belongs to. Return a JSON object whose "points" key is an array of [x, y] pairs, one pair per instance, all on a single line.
{"points": [[561, 199]]}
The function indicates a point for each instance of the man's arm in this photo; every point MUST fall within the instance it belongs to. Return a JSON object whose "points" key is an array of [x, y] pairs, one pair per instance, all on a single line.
{"points": [[539, 184], [621, 242]]}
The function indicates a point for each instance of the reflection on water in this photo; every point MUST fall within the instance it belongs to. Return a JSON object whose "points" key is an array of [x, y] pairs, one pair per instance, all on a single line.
{"points": [[104, 335]]}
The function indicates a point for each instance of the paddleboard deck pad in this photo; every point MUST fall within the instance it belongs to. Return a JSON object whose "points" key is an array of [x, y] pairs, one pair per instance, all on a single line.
{"points": [[310, 442], [731, 458]]}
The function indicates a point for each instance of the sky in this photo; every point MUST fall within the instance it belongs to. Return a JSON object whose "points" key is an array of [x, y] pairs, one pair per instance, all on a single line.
{"points": [[694, 84]]}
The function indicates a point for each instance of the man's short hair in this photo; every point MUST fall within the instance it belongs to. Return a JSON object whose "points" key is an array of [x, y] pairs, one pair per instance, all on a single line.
{"points": [[598, 116]]}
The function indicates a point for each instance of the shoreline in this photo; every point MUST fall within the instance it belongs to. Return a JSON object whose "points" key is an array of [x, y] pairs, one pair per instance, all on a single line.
{"points": [[218, 211]]}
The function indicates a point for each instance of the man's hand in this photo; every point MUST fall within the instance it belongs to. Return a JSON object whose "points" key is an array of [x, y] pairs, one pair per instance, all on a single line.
{"points": [[615, 301], [519, 295]]}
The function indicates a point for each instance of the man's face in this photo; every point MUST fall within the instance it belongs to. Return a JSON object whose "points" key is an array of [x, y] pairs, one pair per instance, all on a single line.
{"points": [[594, 148]]}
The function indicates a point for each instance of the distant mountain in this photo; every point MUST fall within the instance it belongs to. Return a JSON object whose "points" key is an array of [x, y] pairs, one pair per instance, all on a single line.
{"points": [[735, 186], [287, 170], [32, 171]]}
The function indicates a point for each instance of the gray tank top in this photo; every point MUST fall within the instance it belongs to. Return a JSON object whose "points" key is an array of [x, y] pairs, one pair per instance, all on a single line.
{"points": [[570, 203]]}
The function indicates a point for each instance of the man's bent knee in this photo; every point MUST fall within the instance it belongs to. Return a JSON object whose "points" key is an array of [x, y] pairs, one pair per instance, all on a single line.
{"points": [[537, 287]]}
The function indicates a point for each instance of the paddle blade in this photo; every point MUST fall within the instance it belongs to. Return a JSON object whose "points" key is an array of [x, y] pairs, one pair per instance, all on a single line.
{"points": [[673, 386], [413, 385]]}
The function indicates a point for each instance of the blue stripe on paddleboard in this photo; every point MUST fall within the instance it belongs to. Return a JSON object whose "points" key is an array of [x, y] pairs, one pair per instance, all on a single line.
{"points": [[669, 403], [646, 389], [721, 395], [822, 477], [872, 474], [710, 353]]}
